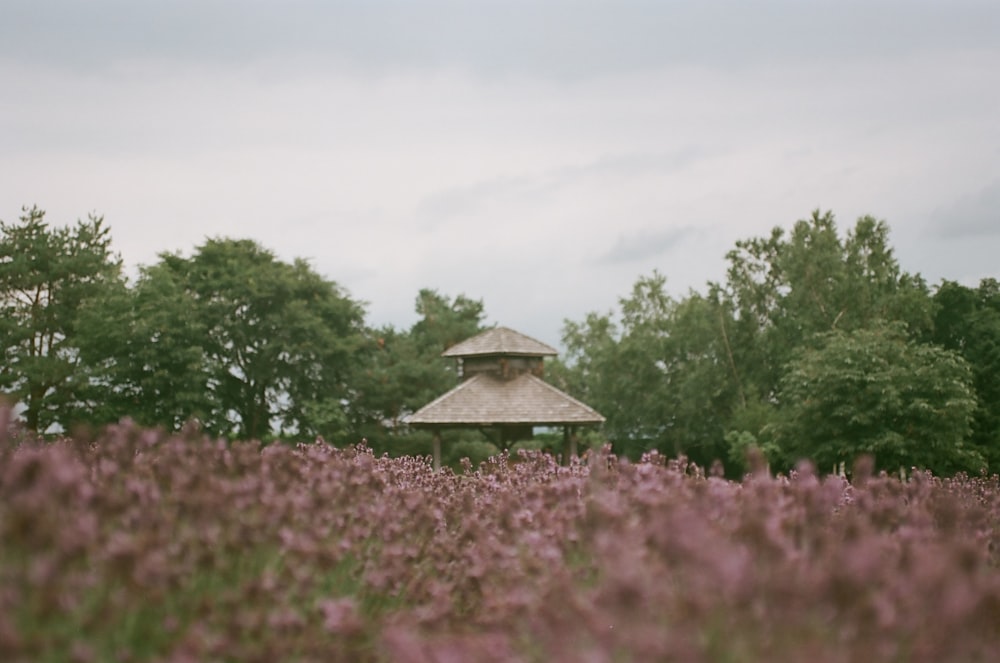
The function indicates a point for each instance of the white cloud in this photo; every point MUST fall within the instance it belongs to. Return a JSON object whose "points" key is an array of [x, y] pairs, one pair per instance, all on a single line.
{"points": [[506, 164]]}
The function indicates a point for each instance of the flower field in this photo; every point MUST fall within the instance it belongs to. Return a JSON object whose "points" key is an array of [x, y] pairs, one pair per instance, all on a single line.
{"points": [[138, 546]]}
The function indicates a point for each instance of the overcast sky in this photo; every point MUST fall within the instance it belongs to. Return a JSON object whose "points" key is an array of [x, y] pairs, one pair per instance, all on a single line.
{"points": [[539, 155]]}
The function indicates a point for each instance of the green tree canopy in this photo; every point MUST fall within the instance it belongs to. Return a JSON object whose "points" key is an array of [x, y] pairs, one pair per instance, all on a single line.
{"points": [[249, 345], [701, 375], [967, 321], [875, 391], [144, 356], [658, 372], [445, 321], [279, 339], [782, 290], [48, 276], [403, 370]]}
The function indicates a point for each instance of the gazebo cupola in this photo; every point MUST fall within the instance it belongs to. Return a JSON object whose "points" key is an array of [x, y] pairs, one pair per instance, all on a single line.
{"points": [[502, 353], [501, 388]]}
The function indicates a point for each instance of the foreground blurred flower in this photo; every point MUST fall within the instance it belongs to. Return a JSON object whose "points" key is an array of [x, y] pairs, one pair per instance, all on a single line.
{"points": [[340, 616]]}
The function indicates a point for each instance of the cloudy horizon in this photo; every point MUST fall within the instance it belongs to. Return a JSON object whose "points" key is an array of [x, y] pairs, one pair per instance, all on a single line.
{"points": [[539, 156]]}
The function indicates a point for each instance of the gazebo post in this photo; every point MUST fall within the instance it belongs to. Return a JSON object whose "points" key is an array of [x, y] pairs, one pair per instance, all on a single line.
{"points": [[569, 444], [437, 450]]}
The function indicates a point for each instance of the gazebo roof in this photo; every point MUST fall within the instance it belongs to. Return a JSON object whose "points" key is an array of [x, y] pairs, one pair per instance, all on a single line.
{"points": [[487, 400], [500, 341]]}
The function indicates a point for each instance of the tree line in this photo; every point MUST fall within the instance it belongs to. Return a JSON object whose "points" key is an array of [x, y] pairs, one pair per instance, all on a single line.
{"points": [[814, 345], [229, 338]]}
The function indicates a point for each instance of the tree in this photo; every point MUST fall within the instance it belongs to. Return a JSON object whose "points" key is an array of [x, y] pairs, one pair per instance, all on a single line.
{"points": [[403, 370], [612, 365], [586, 369], [250, 345], [659, 373], [781, 292], [143, 356], [875, 391], [705, 393], [784, 291], [395, 380], [967, 321], [701, 375], [48, 276], [445, 321]]}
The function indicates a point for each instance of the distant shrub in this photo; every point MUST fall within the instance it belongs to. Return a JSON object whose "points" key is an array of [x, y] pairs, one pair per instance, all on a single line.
{"points": [[477, 451]]}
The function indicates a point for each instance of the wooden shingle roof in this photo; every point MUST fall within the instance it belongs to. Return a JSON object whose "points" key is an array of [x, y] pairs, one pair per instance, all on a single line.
{"points": [[484, 399], [500, 341]]}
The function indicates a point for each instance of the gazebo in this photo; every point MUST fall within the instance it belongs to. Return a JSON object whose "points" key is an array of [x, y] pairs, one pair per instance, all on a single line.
{"points": [[501, 388]]}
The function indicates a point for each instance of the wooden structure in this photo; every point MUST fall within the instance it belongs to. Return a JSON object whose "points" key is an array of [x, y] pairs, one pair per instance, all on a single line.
{"points": [[501, 388]]}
